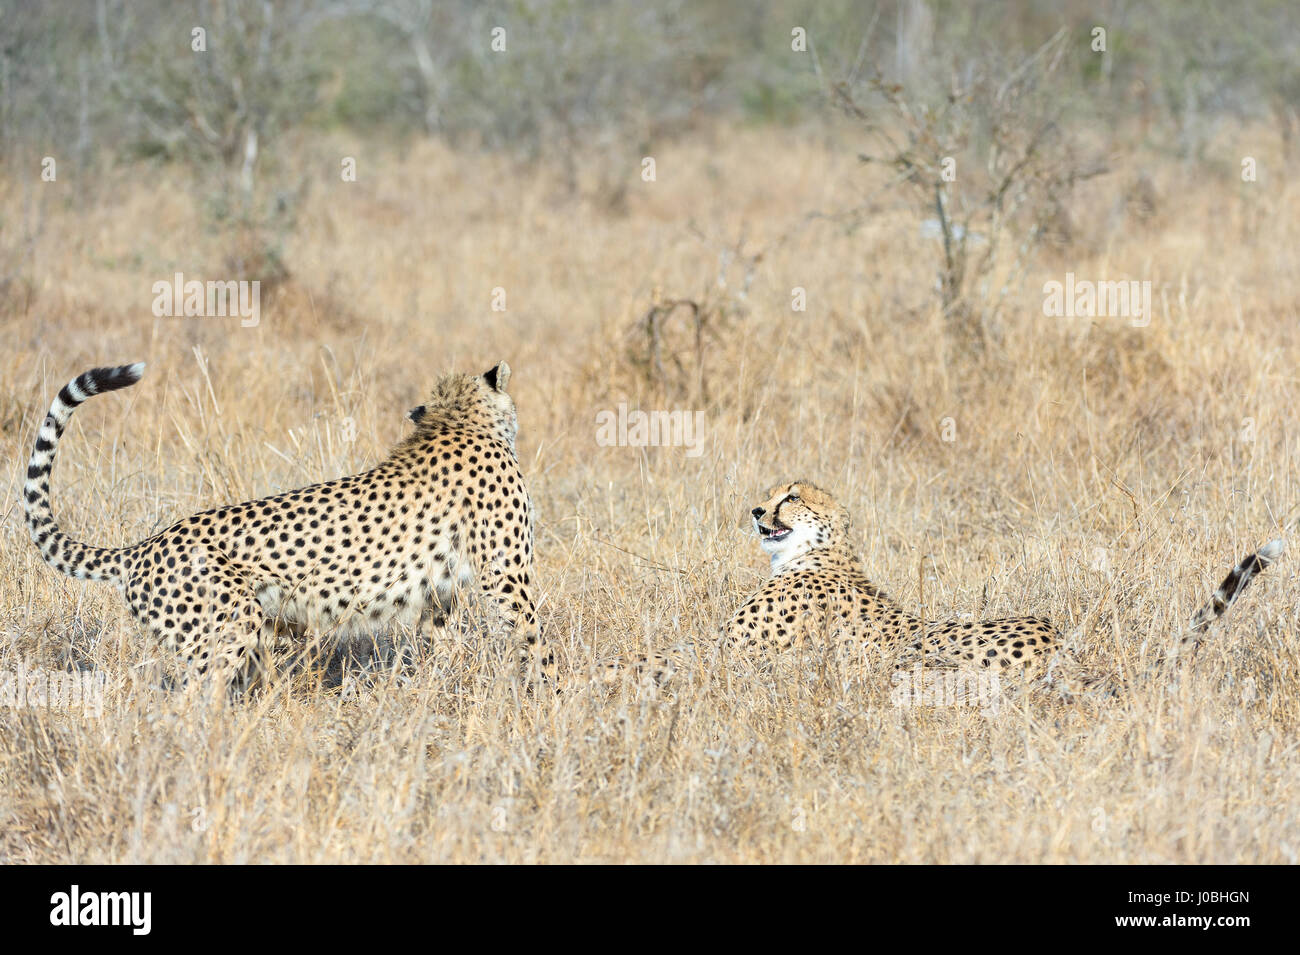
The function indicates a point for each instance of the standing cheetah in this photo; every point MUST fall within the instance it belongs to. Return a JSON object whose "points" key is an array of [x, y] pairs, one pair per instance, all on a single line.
{"points": [[819, 589], [446, 509]]}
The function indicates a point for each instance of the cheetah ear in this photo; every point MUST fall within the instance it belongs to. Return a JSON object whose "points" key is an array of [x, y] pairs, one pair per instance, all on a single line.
{"points": [[415, 414], [497, 377]]}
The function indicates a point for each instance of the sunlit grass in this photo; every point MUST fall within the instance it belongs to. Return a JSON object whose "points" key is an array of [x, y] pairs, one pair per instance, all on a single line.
{"points": [[1103, 475]]}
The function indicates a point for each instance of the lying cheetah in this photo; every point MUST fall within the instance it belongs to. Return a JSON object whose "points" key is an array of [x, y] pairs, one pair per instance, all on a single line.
{"points": [[819, 586], [390, 546], [819, 590]]}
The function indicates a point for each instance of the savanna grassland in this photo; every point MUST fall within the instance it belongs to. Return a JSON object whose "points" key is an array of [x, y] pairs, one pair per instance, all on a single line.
{"points": [[1100, 473]]}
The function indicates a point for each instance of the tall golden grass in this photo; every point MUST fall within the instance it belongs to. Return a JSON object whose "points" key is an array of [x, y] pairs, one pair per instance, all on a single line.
{"points": [[1101, 474]]}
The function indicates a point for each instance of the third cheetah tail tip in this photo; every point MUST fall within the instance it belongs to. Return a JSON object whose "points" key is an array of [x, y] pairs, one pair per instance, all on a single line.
{"points": [[60, 552], [1234, 584]]}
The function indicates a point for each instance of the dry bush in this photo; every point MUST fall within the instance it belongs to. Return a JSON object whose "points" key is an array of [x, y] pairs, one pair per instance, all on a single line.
{"points": [[678, 345], [990, 165]]}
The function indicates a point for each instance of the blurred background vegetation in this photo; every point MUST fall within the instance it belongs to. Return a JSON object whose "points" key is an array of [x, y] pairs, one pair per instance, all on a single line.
{"points": [[81, 79], [1026, 95]]}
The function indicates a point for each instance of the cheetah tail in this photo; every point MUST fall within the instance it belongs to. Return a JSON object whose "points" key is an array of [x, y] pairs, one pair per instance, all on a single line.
{"points": [[60, 552], [1234, 584]]}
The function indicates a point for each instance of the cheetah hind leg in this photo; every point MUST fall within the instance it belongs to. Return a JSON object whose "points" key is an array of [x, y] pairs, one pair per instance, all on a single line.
{"points": [[224, 635]]}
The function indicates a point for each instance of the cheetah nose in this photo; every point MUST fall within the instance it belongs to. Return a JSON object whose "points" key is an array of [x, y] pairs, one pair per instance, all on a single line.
{"points": [[758, 512]]}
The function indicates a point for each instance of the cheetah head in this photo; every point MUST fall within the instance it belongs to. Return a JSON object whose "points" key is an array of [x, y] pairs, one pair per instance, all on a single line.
{"points": [[471, 399], [797, 518]]}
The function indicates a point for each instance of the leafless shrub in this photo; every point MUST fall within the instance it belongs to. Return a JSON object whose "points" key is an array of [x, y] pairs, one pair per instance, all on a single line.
{"points": [[989, 167], [670, 342], [215, 88]]}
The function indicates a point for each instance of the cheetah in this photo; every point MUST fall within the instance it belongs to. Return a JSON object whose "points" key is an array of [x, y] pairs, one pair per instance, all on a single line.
{"points": [[447, 509], [819, 586], [819, 589]]}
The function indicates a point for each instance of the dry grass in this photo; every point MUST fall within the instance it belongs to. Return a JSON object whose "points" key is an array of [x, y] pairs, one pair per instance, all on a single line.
{"points": [[1101, 474]]}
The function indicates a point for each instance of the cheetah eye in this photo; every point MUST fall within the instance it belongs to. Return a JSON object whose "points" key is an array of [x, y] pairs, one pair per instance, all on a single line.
{"points": [[793, 498]]}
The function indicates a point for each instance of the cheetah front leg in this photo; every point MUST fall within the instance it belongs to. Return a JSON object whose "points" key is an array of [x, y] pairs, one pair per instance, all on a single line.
{"points": [[510, 593]]}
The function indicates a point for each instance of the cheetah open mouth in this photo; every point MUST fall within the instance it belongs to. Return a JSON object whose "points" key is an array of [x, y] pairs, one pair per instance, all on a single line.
{"points": [[772, 533]]}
